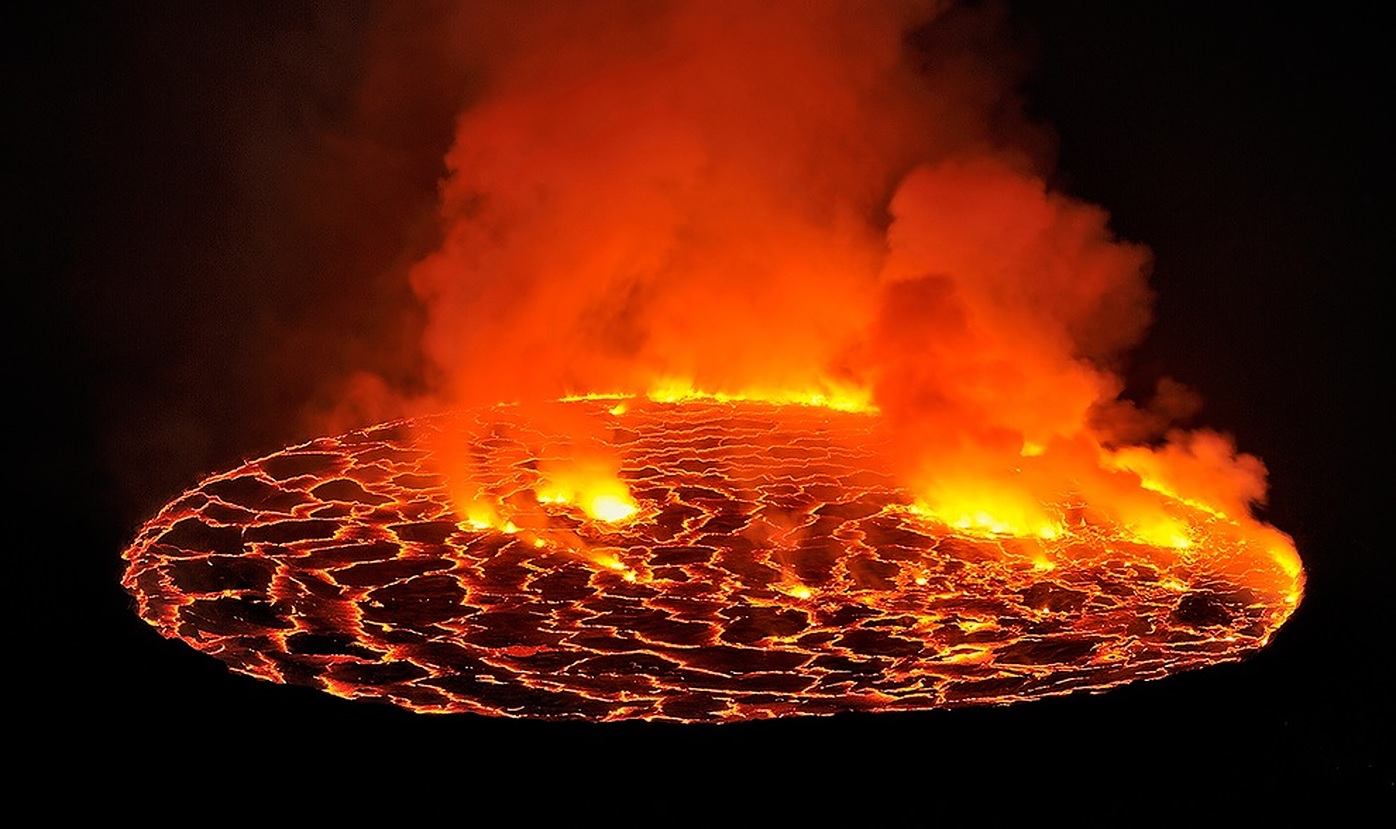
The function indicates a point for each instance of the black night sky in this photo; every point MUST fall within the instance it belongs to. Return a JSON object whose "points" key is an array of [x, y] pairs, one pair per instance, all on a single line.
{"points": [[177, 313]]}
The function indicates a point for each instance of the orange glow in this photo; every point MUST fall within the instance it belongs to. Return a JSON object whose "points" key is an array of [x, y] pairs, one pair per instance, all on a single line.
{"points": [[759, 320], [829, 396], [987, 510], [592, 486], [791, 205], [768, 550], [611, 508]]}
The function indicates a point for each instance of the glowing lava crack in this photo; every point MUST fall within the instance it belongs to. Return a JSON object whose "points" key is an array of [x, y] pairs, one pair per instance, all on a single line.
{"points": [[771, 570]]}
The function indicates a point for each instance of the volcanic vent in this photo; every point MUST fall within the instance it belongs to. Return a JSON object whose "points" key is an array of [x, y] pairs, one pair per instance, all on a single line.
{"points": [[770, 567]]}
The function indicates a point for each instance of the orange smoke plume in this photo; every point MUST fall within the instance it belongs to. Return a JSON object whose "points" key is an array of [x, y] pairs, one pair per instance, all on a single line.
{"points": [[810, 201]]}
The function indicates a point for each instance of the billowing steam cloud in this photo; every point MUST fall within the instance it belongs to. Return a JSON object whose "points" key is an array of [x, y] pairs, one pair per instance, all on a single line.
{"points": [[693, 191], [823, 198]]}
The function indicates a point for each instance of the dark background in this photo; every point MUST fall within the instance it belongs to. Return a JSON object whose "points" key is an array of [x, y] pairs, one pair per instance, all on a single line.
{"points": [[192, 276]]}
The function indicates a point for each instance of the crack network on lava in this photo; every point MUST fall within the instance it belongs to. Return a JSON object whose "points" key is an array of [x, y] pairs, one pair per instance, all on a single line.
{"points": [[769, 567]]}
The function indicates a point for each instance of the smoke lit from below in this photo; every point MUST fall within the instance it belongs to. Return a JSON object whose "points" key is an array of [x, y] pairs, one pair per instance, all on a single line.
{"points": [[780, 382]]}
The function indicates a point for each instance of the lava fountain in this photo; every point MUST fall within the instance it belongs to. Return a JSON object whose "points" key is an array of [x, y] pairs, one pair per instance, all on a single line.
{"points": [[778, 381]]}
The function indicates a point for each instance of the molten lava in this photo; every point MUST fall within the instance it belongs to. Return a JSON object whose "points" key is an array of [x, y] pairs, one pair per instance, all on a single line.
{"points": [[872, 448], [705, 559]]}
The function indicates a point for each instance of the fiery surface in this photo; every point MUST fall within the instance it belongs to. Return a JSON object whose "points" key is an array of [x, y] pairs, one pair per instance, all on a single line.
{"points": [[719, 560]]}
